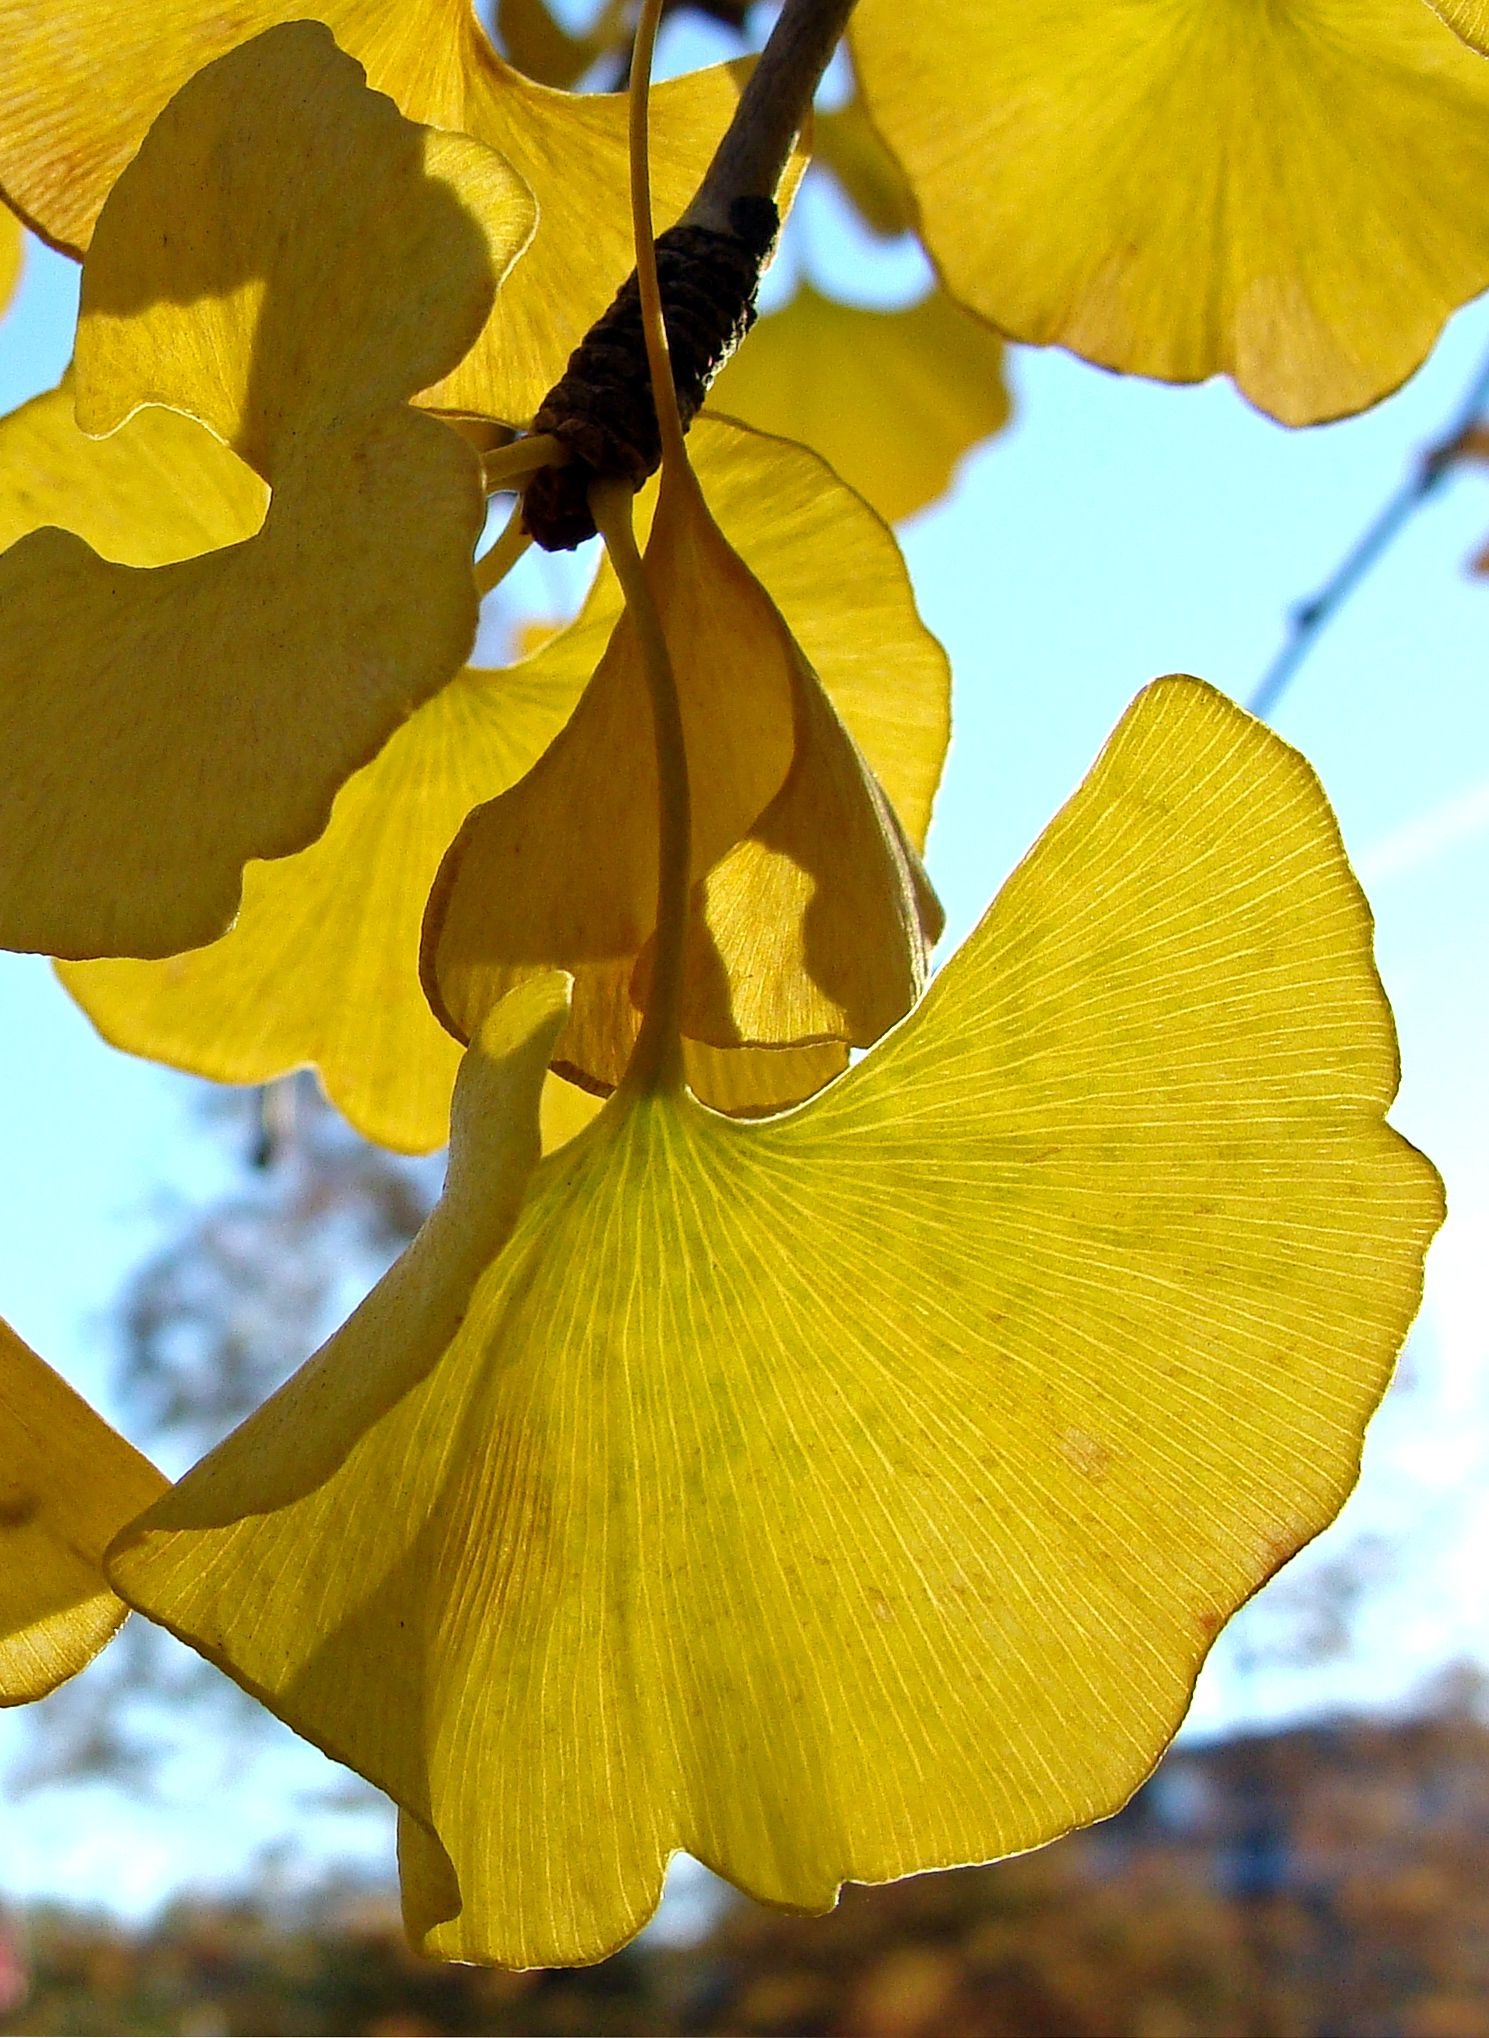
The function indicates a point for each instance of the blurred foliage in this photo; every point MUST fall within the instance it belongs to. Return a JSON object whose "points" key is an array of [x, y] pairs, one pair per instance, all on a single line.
{"points": [[1306, 1884]]}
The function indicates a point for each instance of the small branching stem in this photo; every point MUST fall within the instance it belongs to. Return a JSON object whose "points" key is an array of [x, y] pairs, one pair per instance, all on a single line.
{"points": [[751, 159], [656, 1059], [497, 561], [1310, 618], [710, 265], [509, 466]]}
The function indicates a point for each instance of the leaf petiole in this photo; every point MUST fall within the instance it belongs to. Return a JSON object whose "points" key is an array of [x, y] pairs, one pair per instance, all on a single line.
{"points": [[509, 466], [656, 1060], [497, 561]]}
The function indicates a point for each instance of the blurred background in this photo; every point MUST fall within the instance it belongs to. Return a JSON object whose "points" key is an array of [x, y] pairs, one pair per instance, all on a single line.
{"points": [[1313, 1855]]}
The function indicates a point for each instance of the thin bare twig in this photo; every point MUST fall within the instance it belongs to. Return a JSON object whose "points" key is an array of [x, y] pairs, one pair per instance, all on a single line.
{"points": [[751, 159], [1309, 619]]}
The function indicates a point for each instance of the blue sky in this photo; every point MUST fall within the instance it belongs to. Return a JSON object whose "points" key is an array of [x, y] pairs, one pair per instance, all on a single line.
{"points": [[1117, 531]]}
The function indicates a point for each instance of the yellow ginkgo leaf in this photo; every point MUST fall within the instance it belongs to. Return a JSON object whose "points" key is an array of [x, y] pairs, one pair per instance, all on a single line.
{"points": [[811, 936], [1288, 193], [1468, 18], [288, 260], [541, 47], [838, 578], [10, 255], [321, 965], [892, 399], [161, 488], [564, 1111], [859, 1492], [79, 89], [846, 142], [68, 1484]]}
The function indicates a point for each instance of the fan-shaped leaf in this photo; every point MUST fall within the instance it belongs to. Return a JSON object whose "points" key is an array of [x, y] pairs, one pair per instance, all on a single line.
{"points": [[1287, 194], [857, 1492], [79, 88], [288, 260], [68, 1484], [892, 399]]}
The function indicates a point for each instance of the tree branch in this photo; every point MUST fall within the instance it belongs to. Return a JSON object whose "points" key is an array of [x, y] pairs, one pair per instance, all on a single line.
{"points": [[751, 159], [1309, 618], [601, 410]]}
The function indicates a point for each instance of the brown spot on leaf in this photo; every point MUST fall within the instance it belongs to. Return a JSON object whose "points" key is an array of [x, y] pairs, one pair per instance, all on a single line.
{"points": [[1089, 1455], [18, 1506]]}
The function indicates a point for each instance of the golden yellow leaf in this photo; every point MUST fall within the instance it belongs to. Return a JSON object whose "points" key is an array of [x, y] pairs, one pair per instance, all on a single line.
{"points": [[10, 254], [564, 1111], [1287, 194], [859, 1492], [160, 489], [542, 47], [68, 1484], [288, 260], [891, 399], [321, 965], [79, 88], [845, 141], [838, 578], [1468, 18], [810, 929]]}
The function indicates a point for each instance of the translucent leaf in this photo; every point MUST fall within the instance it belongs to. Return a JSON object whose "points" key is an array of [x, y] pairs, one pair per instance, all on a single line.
{"points": [[288, 260], [541, 47], [68, 1484], [1468, 18], [892, 399], [79, 88], [859, 1492], [1289, 195], [810, 927], [321, 965], [838, 578], [159, 489]]}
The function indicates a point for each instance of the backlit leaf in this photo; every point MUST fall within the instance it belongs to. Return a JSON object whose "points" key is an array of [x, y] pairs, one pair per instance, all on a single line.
{"points": [[68, 1484], [1285, 193], [810, 925], [892, 399], [540, 46], [79, 88], [161, 488], [1468, 18], [321, 965], [857, 1492], [287, 260]]}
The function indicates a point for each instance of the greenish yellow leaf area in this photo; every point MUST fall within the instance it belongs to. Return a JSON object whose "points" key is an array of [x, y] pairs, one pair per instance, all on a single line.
{"points": [[68, 1484], [891, 399], [321, 965], [811, 913], [288, 261], [10, 255], [858, 1491], [79, 88], [1287, 193], [1468, 18]]}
